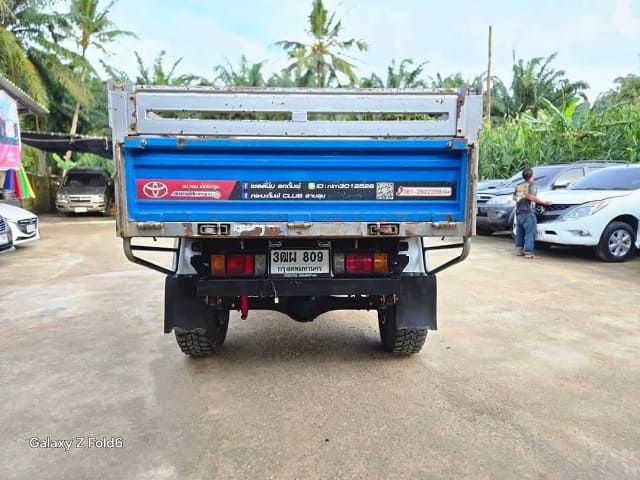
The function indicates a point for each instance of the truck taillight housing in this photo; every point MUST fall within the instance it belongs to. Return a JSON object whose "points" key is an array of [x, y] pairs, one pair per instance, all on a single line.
{"points": [[238, 265], [358, 263]]}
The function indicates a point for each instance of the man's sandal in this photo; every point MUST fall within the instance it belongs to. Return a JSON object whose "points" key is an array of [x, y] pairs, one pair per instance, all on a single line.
{"points": [[531, 256]]}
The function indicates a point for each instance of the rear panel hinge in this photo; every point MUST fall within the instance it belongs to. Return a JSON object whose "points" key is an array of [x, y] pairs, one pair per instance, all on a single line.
{"points": [[150, 225]]}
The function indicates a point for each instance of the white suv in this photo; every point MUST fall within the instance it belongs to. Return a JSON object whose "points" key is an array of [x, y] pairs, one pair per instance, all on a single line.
{"points": [[602, 211]]}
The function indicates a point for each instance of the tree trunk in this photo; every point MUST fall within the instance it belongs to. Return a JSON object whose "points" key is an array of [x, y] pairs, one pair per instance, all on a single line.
{"points": [[76, 113]]}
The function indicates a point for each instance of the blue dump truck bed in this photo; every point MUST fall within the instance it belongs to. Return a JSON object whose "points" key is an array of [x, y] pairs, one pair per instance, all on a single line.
{"points": [[300, 201], [304, 180]]}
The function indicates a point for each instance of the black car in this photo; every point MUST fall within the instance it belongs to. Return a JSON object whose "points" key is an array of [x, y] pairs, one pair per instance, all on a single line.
{"points": [[496, 208]]}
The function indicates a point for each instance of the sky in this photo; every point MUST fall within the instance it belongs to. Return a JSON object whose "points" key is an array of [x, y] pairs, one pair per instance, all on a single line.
{"points": [[596, 40]]}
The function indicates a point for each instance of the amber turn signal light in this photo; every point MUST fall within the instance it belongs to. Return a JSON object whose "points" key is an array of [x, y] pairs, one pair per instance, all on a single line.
{"points": [[218, 265], [380, 263]]}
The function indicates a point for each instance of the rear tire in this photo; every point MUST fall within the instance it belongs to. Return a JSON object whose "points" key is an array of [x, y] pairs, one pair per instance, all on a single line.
{"points": [[399, 341], [617, 243], [200, 342]]}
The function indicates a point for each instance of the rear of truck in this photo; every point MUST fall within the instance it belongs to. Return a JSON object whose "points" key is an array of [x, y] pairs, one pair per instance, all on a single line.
{"points": [[300, 201]]}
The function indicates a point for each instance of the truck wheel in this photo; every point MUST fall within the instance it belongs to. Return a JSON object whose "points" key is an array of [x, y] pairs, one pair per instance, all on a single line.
{"points": [[200, 342], [395, 341], [617, 243]]}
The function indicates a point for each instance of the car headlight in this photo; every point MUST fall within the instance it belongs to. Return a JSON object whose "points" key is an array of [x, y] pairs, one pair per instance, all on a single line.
{"points": [[584, 210], [501, 200], [98, 198], [62, 197]]}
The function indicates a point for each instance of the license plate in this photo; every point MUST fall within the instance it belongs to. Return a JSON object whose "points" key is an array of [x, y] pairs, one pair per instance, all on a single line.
{"points": [[80, 209], [4, 238], [31, 228], [299, 263]]}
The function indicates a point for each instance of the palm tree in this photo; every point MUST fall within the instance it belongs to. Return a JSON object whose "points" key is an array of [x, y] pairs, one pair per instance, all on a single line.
{"points": [[5, 11], [320, 60], [31, 54], [246, 75], [450, 81], [158, 75], [400, 76], [90, 26], [532, 81]]}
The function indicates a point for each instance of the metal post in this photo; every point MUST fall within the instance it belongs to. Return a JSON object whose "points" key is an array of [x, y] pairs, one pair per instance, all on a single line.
{"points": [[487, 115]]}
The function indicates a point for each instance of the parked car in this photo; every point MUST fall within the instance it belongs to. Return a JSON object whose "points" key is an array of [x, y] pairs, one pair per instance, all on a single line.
{"points": [[600, 211], [6, 241], [490, 184], [85, 190], [496, 208], [23, 224]]}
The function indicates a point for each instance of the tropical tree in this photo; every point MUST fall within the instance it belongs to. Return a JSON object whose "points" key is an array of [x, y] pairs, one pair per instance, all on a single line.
{"points": [[5, 10], [89, 25], [532, 81], [245, 75], [31, 53], [157, 74], [404, 75], [324, 59], [627, 90], [450, 81]]}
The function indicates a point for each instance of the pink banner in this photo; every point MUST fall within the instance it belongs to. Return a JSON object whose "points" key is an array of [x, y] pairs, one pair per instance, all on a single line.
{"points": [[9, 133]]}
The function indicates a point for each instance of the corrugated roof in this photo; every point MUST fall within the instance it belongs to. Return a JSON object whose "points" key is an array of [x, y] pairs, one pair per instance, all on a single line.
{"points": [[26, 104]]}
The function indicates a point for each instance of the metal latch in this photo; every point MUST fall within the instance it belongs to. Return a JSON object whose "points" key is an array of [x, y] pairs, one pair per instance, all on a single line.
{"points": [[299, 225], [383, 229], [150, 225]]}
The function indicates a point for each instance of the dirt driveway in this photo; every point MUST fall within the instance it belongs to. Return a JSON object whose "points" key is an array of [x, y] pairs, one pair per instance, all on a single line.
{"points": [[534, 373]]}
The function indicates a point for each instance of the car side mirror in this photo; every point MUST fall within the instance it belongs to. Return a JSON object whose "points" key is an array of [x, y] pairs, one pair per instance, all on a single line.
{"points": [[561, 184]]}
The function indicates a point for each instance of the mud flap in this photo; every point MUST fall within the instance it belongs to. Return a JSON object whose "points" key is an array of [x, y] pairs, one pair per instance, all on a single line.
{"points": [[182, 308], [417, 303]]}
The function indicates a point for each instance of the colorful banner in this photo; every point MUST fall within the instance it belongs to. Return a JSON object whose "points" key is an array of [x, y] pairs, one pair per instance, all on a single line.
{"points": [[9, 133]]}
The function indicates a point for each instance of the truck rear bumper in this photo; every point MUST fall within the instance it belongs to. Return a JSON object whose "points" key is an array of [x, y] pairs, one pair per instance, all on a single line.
{"points": [[291, 287], [303, 299]]}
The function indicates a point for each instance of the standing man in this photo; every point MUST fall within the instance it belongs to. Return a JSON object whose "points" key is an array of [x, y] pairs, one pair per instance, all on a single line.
{"points": [[526, 221]]}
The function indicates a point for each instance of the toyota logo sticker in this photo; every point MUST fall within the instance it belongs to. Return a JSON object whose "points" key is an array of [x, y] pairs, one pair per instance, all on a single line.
{"points": [[155, 189], [160, 189]]}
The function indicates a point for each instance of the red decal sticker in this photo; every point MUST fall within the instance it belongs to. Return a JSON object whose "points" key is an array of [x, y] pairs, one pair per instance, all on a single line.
{"points": [[184, 189]]}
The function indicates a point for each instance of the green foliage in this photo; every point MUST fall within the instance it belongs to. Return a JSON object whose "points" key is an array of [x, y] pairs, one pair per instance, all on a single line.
{"points": [[574, 132], [30, 158], [82, 160], [321, 61], [533, 81], [89, 25], [627, 91], [157, 74], [403, 75], [31, 51], [245, 75]]}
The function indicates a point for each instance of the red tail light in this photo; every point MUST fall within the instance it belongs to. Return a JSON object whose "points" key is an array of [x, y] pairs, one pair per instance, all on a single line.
{"points": [[359, 263], [239, 264]]}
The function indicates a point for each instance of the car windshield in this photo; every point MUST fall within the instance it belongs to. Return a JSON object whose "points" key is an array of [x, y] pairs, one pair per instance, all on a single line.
{"points": [[610, 179], [544, 175], [83, 180]]}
